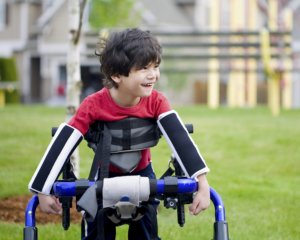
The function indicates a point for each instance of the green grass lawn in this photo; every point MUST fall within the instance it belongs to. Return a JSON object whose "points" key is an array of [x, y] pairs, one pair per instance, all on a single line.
{"points": [[254, 160]]}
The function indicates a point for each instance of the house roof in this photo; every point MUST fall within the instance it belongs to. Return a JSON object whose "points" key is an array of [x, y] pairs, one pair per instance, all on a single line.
{"points": [[164, 14], [49, 13]]}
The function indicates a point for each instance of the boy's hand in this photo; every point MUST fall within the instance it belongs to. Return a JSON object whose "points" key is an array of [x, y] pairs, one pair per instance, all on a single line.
{"points": [[202, 198], [49, 204]]}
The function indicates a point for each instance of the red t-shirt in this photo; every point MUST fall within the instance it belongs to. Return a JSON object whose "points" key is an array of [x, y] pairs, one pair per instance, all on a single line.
{"points": [[100, 106]]}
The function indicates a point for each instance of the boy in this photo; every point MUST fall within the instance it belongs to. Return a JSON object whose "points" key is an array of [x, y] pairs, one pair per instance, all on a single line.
{"points": [[130, 62]]}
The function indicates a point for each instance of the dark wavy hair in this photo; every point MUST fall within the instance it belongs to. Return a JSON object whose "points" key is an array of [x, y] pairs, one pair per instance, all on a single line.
{"points": [[124, 50]]}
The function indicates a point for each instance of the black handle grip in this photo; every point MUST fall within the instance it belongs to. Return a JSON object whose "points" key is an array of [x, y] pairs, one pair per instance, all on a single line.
{"points": [[66, 218], [180, 215], [66, 203]]}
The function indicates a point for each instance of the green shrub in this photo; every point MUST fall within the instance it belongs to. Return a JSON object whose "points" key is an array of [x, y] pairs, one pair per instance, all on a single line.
{"points": [[9, 73]]}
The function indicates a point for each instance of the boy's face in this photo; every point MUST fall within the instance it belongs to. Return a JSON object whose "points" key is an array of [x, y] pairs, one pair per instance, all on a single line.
{"points": [[139, 83]]}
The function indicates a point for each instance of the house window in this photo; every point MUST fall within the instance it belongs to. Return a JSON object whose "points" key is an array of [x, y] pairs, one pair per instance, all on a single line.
{"points": [[3, 14]]}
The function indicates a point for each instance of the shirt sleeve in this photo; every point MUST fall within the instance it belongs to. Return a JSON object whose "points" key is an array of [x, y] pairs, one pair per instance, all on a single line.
{"points": [[162, 105], [83, 116]]}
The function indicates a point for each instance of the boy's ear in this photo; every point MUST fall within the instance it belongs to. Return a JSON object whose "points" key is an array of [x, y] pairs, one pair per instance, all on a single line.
{"points": [[116, 78]]}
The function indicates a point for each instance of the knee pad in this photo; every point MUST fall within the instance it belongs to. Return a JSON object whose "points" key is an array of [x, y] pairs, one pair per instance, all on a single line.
{"points": [[62, 145], [182, 145]]}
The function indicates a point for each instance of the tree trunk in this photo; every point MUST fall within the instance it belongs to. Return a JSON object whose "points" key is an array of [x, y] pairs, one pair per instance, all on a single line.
{"points": [[73, 70]]}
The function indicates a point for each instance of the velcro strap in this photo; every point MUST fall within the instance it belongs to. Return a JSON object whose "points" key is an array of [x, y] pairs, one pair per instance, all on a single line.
{"points": [[171, 184], [81, 186]]}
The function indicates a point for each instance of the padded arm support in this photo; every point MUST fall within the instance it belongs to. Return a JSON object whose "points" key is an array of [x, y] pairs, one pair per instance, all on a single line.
{"points": [[182, 145], [62, 145]]}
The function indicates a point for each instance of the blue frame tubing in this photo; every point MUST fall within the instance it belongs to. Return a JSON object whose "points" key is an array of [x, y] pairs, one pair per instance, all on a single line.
{"points": [[30, 231], [69, 188], [188, 185], [220, 225]]}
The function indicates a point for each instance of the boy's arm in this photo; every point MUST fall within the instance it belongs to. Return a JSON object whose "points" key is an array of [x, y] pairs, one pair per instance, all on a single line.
{"points": [[202, 198], [62, 145]]}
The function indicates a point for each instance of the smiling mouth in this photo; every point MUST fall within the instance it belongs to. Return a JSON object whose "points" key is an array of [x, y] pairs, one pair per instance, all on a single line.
{"points": [[147, 84]]}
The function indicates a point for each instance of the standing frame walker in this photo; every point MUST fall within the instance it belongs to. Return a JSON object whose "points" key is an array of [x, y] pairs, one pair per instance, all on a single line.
{"points": [[175, 191]]}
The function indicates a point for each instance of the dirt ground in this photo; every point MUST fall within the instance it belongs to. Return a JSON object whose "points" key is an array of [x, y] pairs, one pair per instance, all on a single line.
{"points": [[13, 210]]}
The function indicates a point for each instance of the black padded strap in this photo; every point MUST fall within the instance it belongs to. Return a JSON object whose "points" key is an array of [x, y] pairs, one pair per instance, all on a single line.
{"points": [[105, 153], [102, 155], [131, 123], [126, 140]]}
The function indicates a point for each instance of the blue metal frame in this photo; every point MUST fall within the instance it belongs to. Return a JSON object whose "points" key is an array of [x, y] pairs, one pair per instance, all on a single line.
{"points": [[184, 186], [68, 189], [219, 206], [30, 231]]}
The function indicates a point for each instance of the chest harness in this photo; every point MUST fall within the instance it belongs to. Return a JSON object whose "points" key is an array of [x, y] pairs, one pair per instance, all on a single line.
{"points": [[120, 143]]}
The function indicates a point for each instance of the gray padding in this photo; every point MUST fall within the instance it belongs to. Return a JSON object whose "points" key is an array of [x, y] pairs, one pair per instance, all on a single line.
{"points": [[126, 161], [88, 202]]}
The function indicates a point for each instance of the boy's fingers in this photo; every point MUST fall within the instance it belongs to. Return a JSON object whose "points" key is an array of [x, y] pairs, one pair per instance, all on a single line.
{"points": [[53, 209], [196, 210], [193, 207], [56, 208], [199, 204]]}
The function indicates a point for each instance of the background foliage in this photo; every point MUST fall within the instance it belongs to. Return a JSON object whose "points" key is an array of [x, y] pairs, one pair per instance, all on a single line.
{"points": [[112, 13], [9, 73]]}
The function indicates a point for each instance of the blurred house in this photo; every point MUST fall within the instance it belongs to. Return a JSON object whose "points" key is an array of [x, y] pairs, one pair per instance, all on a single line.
{"points": [[35, 32]]}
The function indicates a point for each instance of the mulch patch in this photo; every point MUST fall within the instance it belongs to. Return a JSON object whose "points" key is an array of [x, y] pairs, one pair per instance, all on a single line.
{"points": [[12, 209]]}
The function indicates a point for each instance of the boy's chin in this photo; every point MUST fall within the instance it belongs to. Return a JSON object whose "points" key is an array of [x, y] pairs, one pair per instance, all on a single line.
{"points": [[147, 92]]}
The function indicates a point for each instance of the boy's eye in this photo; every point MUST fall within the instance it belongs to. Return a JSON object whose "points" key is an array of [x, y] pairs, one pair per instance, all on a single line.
{"points": [[149, 66]]}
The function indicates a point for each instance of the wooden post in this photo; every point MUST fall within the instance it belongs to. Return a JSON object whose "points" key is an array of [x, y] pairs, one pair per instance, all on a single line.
{"points": [[274, 78], [252, 63], [213, 64], [272, 75], [287, 62], [236, 84]]}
